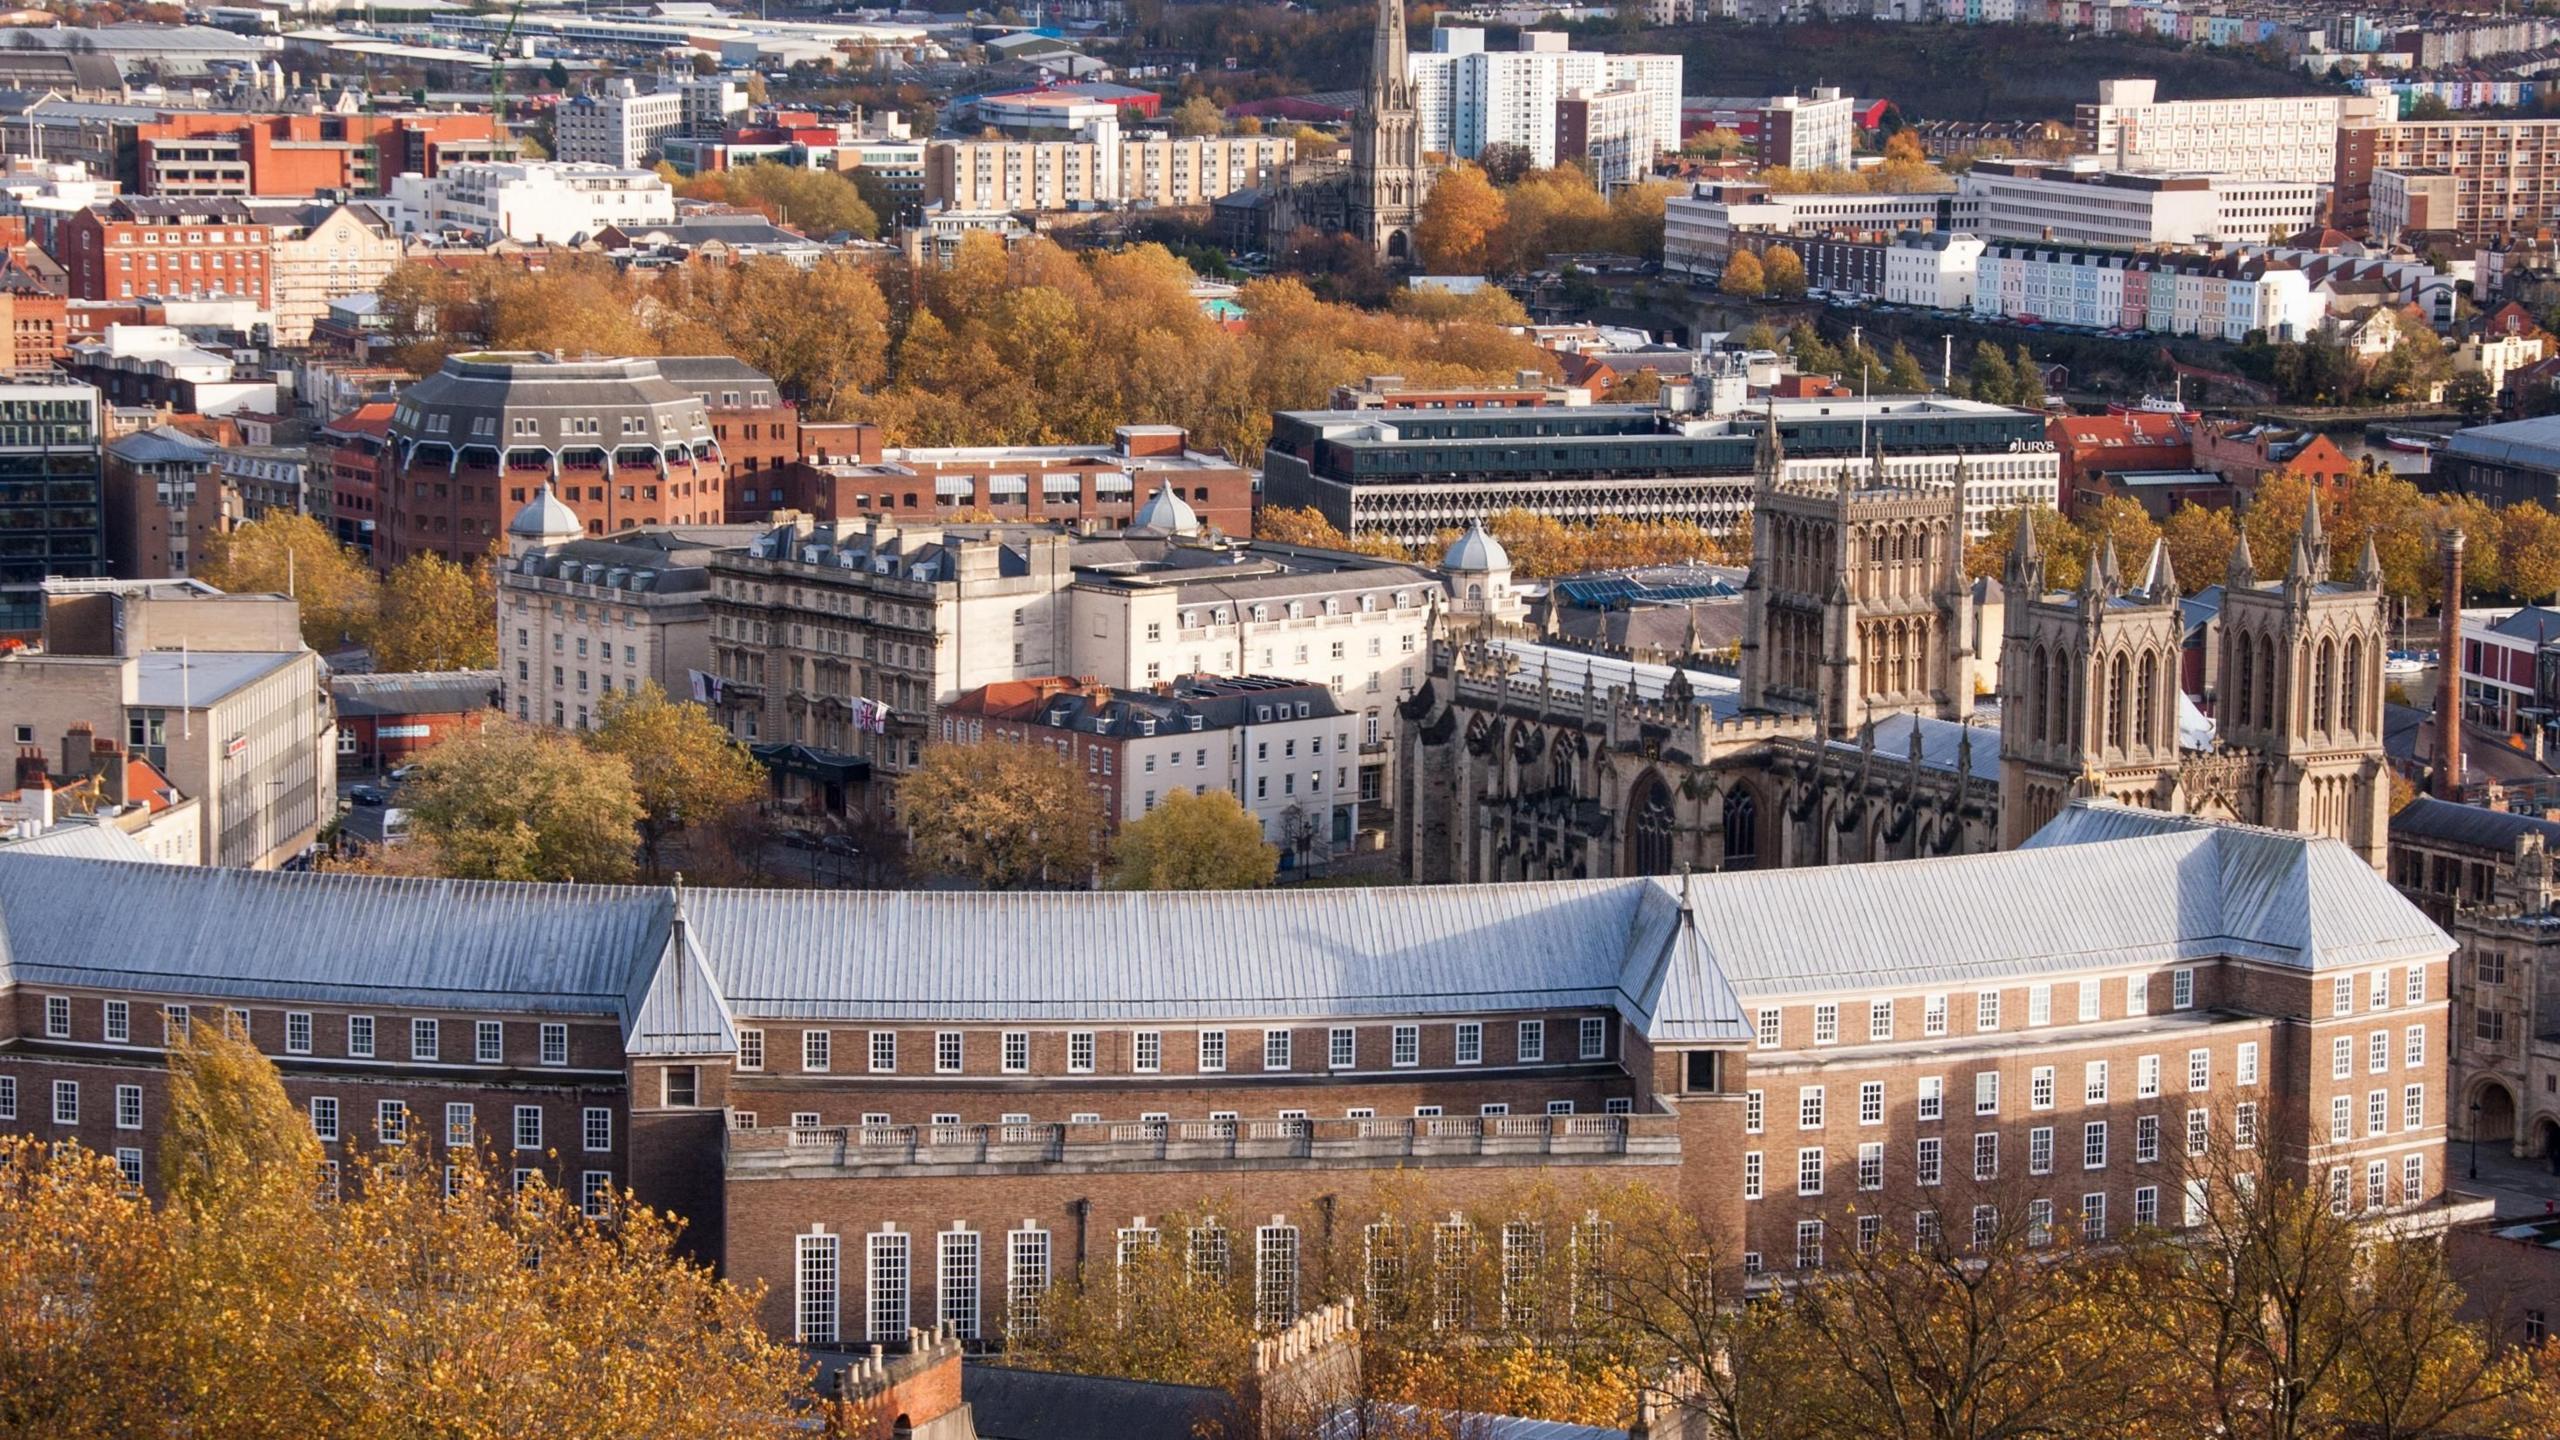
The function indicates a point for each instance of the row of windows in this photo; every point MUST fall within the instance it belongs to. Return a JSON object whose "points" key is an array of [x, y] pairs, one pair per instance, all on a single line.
{"points": [[2097, 1087], [359, 1035], [1146, 1048], [1936, 1011], [1157, 1121], [2092, 1214], [960, 1270], [1929, 1154], [461, 1124]]}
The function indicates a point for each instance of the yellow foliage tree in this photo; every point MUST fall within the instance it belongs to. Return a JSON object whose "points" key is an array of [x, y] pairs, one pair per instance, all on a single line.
{"points": [[514, 802], [1193, 842], [1006, 816], [1744, 277], [296, 555], [1784, 270], [2201, 539], [684, 767], [436, 615], [258, 1301], [1460, 221], [1291, 525]]}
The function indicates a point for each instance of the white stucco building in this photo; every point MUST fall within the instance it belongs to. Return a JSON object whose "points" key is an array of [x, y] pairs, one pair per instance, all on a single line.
{"points": [[1468, 98], [538, 202]]}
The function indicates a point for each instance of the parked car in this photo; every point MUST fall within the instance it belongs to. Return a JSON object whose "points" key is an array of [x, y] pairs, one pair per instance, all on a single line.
{"points": [[406, 773], [369, 795]]}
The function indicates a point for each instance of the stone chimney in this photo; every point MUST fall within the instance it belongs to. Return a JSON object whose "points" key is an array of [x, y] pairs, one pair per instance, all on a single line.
{"points": [[2448, 784]]}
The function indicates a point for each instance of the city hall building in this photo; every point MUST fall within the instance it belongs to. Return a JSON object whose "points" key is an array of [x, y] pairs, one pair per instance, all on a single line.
{"points": [[907, 1108]]}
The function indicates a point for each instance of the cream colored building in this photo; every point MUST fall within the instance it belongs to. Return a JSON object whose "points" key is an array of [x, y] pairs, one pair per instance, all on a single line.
{"points": [[216, 691], [1109, 169], [581, 618], [327, 252]]}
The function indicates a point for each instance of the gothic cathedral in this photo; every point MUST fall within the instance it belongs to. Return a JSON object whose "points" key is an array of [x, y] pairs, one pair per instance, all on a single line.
{"points": [[1388, 180]]}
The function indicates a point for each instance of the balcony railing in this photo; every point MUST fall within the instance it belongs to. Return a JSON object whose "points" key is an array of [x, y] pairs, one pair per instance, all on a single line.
{"points": [[1530, 1139]]}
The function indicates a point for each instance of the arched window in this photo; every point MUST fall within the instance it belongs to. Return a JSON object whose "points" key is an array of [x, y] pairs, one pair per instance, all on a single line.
{"points": [[2267, 709], [1655, 829], [1741, 830], [2039, 719], [2066, 726], [2115, 702], [2351, 685], [2323, 687], [2243, 682], [2146, 692]]}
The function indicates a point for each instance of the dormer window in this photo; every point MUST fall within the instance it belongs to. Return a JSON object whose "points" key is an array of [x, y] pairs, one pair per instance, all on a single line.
{"points": [[1195, 722], [1262, 714]]}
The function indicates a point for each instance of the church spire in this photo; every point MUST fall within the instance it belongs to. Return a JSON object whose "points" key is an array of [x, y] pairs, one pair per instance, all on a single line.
{"points": [[1390, 81], [2369, 567], [2243, 571], [2160, 578]]}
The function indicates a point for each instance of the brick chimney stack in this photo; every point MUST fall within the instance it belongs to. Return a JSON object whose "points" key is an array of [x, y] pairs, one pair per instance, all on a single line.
{"points": [[106, 762], [2448, 784], [31, 768], [75, 748]]}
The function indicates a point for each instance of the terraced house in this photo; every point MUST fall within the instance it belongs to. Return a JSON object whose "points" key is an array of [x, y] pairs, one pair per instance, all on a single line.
{"points": [[899, 1109]]}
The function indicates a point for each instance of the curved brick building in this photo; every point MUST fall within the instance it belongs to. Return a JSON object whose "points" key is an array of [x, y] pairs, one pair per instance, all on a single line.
{"points": [[471, 444], [903, 1108]]}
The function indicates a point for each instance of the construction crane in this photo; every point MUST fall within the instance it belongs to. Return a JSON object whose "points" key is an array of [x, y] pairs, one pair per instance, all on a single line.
{"points": [[498, 82]]}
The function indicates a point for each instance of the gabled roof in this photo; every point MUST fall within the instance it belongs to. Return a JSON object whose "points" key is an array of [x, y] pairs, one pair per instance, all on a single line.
{"points": [[2103, 886]]}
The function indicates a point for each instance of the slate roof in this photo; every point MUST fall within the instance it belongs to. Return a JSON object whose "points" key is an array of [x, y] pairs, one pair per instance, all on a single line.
{"points": [[2101, 887], [1942, 743], [2476, 826], [1008, 1403]]}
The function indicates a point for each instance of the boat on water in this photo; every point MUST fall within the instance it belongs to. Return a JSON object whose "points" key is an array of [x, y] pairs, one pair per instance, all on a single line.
{"points": [[2150, 405], [2410, 442], [2407, 664]]}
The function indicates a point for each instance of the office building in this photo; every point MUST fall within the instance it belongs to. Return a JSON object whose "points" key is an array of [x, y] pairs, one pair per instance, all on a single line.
{"points": [[474, 443], [138, 248], [1801, 132], [1413, 475], [2505, 176], [1698, 228], [542, 202], [2289, 138], [2080, 203], [217, 692], [52, 495], [620, 125]]}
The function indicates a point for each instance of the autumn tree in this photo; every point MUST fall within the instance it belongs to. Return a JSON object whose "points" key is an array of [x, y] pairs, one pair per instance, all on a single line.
{"points": [[2065, 547], [1305, 525], [1006, 816], [2529, 550], [685, 768], [2201, 539], [1198, 115], [296, 555], [2129, 526], [1743, 276], [1193, 842], [515, 802], [822, 333], [1636, 216], [436, 615], [1548, 212], [1785, 272], [1459, 222], [261, 1301], [814, 202]]}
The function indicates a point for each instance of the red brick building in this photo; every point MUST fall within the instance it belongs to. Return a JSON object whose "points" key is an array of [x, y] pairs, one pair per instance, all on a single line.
{"points": [[221, 153], [470, 445], [2247, 454], [898, 1109], [388, 720], [357, 451], [2088, 444], [135, 247], [844, 473]]}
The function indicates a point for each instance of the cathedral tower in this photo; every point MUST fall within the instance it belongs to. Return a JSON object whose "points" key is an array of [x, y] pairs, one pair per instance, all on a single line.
{"points": [[1857, 606], [1388, 178], [2300, 684], [2088, 687]]}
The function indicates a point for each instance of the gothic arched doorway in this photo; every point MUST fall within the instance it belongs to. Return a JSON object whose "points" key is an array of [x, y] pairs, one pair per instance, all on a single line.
{"points": [[1653, 829], [2493, 1114], [1741, 830], [1397, 245]]}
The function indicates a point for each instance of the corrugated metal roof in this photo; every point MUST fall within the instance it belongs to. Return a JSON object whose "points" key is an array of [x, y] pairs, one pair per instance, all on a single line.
{"points": [[83, 839]]}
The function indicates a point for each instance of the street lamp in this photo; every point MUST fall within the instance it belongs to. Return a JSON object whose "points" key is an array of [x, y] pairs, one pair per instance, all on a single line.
{"points": [[2475, 1139]]}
